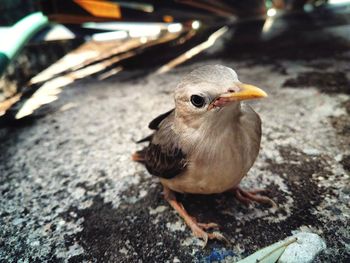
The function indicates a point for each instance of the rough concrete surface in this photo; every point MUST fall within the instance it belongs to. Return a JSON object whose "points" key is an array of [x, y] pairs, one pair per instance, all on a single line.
{"points": [[70, 192]]}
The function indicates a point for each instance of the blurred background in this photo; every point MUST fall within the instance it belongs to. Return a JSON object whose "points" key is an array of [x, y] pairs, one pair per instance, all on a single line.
{"points": [[64, 41]]}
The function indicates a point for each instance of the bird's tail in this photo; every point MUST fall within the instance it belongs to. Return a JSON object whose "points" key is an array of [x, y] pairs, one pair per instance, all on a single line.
{"points": [[139, 156]]}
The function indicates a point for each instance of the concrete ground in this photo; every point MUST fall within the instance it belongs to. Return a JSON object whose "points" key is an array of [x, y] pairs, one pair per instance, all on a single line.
{"points": [[70, 192]]}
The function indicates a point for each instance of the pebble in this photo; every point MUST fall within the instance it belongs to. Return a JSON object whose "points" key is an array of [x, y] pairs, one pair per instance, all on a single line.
{"points": [[308, 246]]}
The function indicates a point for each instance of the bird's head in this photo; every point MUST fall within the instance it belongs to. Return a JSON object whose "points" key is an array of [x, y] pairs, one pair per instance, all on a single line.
{"points": [[211, 91]]}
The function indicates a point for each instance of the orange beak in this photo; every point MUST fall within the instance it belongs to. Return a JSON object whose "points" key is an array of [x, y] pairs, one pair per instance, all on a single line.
{"points": [[246, 92]]}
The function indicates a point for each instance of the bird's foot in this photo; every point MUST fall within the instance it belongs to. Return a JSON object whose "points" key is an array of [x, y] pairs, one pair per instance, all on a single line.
{"points": [[198, 229], [247, 197]]}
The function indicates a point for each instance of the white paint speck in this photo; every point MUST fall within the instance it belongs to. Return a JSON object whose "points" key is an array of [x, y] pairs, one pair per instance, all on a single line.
{"points": [[123, 251], [35, 243], [311, 151], [177, 226], [157, 210]]}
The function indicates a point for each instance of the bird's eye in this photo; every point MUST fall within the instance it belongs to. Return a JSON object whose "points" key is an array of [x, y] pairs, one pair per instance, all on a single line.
{"points": [[197, 101]]}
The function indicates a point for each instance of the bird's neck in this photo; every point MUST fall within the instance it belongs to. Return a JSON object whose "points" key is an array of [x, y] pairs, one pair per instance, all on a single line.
{"points": [[229, 112], [194, 129], [222, 118]]}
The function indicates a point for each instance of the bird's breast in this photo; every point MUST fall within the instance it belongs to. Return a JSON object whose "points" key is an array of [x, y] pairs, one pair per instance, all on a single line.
{"points": [[219, 161], [217, 166]]}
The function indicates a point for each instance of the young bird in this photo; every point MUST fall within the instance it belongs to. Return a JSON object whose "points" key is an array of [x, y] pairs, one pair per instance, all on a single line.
{"points": [[208, 143]]}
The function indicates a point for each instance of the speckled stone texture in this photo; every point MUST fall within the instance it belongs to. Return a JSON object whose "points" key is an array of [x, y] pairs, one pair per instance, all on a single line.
{"points": [[70, 192]]}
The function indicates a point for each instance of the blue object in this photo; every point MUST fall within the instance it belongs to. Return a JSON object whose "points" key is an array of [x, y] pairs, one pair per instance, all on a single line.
{"points": [[216, 255]]}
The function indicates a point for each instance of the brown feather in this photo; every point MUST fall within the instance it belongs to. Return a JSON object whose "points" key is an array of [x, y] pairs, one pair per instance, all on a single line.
{"points": [[162, 157]]}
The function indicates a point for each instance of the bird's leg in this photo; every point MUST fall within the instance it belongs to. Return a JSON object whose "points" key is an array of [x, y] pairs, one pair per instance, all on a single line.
{"points": [[197, 228], [207, 226], [247, 197]]}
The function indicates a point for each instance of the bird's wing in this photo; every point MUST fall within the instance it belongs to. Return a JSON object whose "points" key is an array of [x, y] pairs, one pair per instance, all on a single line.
{"points": [[154, 125], [163, 157]]}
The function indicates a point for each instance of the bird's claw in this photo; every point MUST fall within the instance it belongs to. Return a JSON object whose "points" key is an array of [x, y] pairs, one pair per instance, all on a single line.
{"points": [[247, 197], [197, 230], [219, 236]]}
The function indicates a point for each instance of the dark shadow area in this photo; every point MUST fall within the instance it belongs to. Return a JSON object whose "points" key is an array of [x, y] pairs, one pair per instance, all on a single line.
{"points": [[295, 36], [327, 82], [131, 233]]}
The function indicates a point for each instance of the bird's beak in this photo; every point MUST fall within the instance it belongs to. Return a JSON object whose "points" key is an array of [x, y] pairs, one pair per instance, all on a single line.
{"points": [[246, 92]]}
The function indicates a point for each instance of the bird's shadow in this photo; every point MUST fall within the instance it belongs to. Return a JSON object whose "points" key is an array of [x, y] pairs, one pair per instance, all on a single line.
{"points": [[214, 208], [106, 230]]}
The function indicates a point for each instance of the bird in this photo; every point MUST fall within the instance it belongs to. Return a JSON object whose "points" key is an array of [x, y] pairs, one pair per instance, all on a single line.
{"points": [[207, 143]]}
